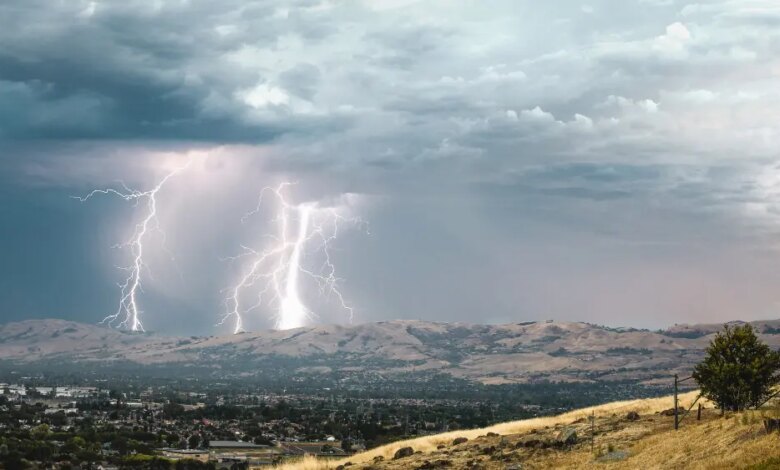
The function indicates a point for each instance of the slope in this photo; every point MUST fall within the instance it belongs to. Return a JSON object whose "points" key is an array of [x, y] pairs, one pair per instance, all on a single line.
{"points": [[646, 440]]}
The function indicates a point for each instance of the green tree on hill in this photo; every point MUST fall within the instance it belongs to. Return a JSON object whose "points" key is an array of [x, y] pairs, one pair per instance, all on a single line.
{"points": [[739, 370]]}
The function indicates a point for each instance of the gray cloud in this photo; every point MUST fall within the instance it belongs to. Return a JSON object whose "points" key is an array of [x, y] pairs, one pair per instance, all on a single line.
{"points": [[545, 154]]}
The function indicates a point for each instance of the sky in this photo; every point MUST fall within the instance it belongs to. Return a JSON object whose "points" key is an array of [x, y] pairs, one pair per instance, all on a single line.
{"points": [[493, 161]]}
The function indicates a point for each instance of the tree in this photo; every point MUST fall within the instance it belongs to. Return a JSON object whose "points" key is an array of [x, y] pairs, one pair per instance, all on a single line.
{"points": [[172, 439], [120, 445], [40, 432], [739, 370], [58, 419], [173, 410]]}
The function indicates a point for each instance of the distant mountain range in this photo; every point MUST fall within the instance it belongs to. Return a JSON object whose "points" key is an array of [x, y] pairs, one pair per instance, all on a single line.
{"points": [[490, 354]]}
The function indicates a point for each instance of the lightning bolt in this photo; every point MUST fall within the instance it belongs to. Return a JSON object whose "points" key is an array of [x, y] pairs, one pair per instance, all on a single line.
{"points": [[275, 273], [128, 310]]}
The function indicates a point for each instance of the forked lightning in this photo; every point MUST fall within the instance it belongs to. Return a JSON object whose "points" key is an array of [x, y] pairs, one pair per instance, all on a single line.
{"points": [[274, 275], [128, 313]]}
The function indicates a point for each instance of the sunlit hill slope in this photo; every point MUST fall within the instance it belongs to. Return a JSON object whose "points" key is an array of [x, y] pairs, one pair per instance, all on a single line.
{"points": [[629, 434]]}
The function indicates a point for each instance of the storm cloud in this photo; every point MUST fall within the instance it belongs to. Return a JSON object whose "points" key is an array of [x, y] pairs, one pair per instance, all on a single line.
{"points": [[614, 162]]}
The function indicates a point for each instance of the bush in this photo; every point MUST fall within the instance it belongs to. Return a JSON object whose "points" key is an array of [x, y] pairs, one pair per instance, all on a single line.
{"points": [[739, 370]]}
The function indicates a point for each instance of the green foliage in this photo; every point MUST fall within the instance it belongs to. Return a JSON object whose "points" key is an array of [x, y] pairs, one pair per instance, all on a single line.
{"points": [[739, 370], [41, 432], [193, 442], [145, 461]]}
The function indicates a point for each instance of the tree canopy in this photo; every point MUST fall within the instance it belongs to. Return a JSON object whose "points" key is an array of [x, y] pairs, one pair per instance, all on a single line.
{"points": [[739, 370]]}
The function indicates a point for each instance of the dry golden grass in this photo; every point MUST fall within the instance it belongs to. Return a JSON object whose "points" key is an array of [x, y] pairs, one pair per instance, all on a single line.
{"points": [[737, 441], [307, 463], [429, 443]]}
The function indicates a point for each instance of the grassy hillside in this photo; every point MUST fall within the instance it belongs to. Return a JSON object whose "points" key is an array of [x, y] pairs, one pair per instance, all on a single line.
{"points": [[649, 441]]}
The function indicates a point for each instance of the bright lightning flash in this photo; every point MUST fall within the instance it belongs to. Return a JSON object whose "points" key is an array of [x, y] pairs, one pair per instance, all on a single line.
{"points": [[275, 273], [128, 313]]}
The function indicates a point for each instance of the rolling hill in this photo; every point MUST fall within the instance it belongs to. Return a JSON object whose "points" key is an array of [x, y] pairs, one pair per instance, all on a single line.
{"points": [[490, 354]]}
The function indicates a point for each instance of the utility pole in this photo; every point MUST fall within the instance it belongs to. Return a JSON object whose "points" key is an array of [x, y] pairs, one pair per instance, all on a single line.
{"points": [[676, 413]]}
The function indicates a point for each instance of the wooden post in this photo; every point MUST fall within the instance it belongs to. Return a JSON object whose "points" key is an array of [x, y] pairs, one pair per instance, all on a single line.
{"points": [[676, 413], [592, 430], [698, 413]]}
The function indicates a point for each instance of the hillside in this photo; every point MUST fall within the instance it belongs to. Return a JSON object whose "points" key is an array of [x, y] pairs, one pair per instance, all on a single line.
{"points": [[491, 354], [646, 440]]}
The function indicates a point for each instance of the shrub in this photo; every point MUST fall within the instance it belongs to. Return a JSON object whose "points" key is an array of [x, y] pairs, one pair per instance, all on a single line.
{"points": [[739, 370]]}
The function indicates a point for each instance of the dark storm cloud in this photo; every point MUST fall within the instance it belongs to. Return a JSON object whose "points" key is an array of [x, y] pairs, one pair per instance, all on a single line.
{"points": [[120, 70], [555, 158]]}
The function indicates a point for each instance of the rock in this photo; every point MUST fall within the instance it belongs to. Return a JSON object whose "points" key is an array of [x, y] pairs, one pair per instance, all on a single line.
{"points": [[459, 440], [670, 411], [378, 459], [403, 452], [529, 443], [492, 434], [489, 450], [427, 465], [567, 437], [440, 446], [632, 416]]}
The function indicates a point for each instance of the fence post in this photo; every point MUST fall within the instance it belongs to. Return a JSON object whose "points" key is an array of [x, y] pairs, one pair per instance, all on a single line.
{"points": [[676, 412], [698, 413]]}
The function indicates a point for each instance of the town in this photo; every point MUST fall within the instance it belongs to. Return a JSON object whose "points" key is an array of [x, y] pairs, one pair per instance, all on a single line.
{"points": [[155, 423]]}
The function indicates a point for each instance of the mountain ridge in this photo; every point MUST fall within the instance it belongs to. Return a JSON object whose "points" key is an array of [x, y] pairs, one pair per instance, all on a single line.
{"points": [[490, 354]]}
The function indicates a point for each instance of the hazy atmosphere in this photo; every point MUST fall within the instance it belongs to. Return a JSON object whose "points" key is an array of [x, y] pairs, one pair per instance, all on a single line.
{"points": [[482, 161]]}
